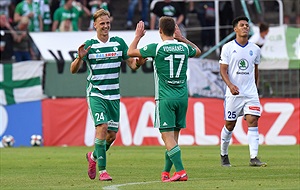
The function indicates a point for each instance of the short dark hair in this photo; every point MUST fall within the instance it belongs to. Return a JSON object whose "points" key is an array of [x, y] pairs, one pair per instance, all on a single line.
{"points": [[263, 27], [237, 19], [167, 25]]}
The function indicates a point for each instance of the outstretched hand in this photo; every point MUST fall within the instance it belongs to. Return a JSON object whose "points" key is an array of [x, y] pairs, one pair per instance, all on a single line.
{"points": [[82, 52], [140, 29]]}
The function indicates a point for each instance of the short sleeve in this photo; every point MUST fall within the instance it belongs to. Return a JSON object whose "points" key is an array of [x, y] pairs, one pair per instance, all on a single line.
{"points": [[224, 57], [149, 50]]}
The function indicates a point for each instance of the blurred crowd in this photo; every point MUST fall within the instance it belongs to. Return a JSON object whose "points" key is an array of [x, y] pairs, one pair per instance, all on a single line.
{"points": [[19, 17]]}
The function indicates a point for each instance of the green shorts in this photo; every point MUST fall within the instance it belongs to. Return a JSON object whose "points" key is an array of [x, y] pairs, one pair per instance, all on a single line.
{"points": [[170, 115], [105, 111]]}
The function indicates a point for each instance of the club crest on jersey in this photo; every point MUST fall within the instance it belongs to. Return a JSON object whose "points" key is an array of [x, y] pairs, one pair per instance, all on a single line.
{"points": [[250, 52], [145, 48], [115, 48]]}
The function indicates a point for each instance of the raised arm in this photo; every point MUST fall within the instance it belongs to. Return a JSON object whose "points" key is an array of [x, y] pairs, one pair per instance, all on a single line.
{"points": [[178, 36], [139, 33], [76, 64], [135, 63]]}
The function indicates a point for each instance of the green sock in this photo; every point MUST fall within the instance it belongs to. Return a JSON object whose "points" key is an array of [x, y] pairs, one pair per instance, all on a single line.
{"points": [[100, 152], [168, 163], [107, 145], [175, 157]]}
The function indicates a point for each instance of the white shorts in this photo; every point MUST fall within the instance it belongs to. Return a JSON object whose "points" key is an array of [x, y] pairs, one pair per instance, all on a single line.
{"points": [[235, 106]]}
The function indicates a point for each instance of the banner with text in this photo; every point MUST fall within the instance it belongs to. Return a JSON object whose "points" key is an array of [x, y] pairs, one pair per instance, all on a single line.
{"points": [[281, 49], [66, 122]]}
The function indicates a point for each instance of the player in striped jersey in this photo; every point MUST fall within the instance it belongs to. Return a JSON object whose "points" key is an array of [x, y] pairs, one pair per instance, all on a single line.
{"points": [[239, 70], [103, 55], [171, 94]]}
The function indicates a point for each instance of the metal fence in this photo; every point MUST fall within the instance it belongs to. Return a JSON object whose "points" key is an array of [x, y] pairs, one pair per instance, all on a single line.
{"points": [[279, 83]]}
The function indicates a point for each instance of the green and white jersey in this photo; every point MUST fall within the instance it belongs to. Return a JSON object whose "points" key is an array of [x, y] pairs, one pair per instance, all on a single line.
{"points": [[170, 66], [103, 62], [24, 8]]}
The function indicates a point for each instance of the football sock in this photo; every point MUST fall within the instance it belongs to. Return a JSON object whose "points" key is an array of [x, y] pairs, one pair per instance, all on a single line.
{"points": [[225, 140], [168, 163], [175, 157], [101, 153], [253, 140]]}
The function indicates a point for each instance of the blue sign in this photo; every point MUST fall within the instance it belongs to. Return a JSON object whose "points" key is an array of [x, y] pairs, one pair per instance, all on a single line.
{"points": [[21, 121]]}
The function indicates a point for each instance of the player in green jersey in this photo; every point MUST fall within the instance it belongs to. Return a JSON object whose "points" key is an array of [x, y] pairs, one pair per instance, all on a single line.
{"points": [[170, 59], [103, 55]]}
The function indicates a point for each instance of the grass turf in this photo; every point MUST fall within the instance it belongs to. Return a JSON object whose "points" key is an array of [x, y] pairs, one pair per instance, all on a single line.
{"points": [[140, 168]]}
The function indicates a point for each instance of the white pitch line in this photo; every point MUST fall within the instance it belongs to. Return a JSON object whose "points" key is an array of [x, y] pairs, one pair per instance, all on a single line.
{"points": [[115, 187]]}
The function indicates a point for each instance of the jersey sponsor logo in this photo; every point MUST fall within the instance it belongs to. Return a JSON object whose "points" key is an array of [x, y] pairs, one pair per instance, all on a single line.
{"points": [[105, 55], [256, 108], [243, 65], [111, 54], [113, 124], [176, 82]]}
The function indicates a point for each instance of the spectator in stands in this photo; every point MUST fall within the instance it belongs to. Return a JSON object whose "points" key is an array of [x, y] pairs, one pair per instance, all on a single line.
{"points": [[225, 17], [96, 5], [45, 13], [71, 10], [144, 12], [22, 44], [166, 8], [259, 37], [7, 34], [206, 17], [256, 10], [4, 7], [66, 26], [30, 9], [288, 6]]}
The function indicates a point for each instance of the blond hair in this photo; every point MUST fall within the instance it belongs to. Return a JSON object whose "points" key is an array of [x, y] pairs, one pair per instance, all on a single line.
{"points": [[99, 13], [66, 26]]}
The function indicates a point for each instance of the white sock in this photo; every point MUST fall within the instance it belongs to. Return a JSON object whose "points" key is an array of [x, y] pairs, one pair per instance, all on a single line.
{"points": [[225, 139], [102, 171], [253, 140]]}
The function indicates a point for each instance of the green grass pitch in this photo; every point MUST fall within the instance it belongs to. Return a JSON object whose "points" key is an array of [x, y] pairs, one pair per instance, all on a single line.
{"points": [[139, 167]]}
